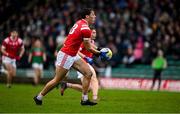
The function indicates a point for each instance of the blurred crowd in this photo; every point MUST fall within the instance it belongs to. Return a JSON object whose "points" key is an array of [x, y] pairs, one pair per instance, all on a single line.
{"points": [[133, 29]]}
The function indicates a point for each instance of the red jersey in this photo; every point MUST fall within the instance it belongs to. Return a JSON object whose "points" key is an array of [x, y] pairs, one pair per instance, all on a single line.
{"points": [[75, 37], [84, 51], [12, 47]]}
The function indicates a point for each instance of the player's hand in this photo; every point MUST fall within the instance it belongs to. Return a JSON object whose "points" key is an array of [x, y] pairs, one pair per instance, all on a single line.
{"points": [[89, 60], [10, 55], [18, 58], [103, 55]]}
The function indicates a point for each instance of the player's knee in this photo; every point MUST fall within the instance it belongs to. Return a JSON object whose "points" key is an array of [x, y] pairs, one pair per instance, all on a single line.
{"points": [[55, 81], [11, 73], [57, 78], [88, 74]]}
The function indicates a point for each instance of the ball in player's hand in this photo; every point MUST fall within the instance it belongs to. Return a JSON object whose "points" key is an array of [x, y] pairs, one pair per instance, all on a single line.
{"points": [[106, 54]]}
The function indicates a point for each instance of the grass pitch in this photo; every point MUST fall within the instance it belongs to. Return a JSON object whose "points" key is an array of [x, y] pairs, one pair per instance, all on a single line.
{"points": [[19, 99]]}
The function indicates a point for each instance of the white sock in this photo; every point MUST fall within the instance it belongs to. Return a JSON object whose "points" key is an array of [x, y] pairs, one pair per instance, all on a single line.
{"points": [[39, 97], [69, 85], [84, 97], [94, 97]]}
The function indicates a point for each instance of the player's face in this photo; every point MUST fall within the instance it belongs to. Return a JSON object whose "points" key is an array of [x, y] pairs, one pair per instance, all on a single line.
{"points": [[37, 43], [93, 34], [14, 34], [160, 53], [92, 17]]}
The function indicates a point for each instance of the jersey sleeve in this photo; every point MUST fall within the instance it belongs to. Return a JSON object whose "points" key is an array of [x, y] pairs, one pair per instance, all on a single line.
{"points": [[4, 43], [86, 32], [81, 47], [20, 42]]}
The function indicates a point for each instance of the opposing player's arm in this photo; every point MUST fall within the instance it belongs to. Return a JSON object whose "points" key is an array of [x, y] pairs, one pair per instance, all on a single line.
{"points": [[30, 57], [44, 57], [94, 46]]}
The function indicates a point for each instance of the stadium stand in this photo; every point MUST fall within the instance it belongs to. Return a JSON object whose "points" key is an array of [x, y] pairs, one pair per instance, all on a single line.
{"points": [[131, 28]]}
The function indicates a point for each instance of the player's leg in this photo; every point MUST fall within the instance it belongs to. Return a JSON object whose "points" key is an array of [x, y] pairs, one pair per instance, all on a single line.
{"points": [[8, 66], [8, 77], [13, 70], [77, 87], [154, 79], [84, 68], [59, 75], [38, 68], [35, 69], [11, 73], [63, 64], [94, 84], [159, 79], [4, 71], [65, 85], [36, 76]]}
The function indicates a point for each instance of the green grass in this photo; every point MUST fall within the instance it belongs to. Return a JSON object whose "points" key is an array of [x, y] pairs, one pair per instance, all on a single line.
{"points": [[19, 99]]}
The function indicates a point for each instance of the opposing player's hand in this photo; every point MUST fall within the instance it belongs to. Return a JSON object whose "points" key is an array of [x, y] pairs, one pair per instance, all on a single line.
{"points": [[103, 55], [89, 60]]}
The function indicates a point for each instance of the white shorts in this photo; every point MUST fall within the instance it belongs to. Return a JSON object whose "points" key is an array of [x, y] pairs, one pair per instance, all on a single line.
{"points": [[66, 61], [81, 75], [7, 60], [37, 66]]}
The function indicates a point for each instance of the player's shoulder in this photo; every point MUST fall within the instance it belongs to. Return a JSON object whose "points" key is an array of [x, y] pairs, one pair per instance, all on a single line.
{"points": [[20, 40], [82, 22], [6, 39]]}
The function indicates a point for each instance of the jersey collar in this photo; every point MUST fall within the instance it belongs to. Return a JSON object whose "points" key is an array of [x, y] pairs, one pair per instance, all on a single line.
{"points": [[85, 21], [13, 40]]}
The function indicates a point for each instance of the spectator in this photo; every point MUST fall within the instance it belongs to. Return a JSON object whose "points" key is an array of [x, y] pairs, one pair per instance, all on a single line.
{"points": [[156, 21]]}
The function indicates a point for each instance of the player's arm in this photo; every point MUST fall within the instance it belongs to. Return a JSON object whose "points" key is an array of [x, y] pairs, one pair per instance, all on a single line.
{"points": [[30, 56], [88, 59], [88, 46], [165, 64], [44, 57], [94, 46], [22, 50], [3, 50], [81, 54], [86, 32]]}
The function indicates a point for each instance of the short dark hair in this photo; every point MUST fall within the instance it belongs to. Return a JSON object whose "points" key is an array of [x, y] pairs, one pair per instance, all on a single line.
{"points": [[84, 12]]}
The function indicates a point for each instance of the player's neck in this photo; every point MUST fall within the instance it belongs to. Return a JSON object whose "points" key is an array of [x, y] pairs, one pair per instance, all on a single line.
{"points": [[13, 38], [85, 21]]}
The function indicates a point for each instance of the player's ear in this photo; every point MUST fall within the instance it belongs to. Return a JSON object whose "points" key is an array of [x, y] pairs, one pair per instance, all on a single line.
{"points": [[87, 16]]}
